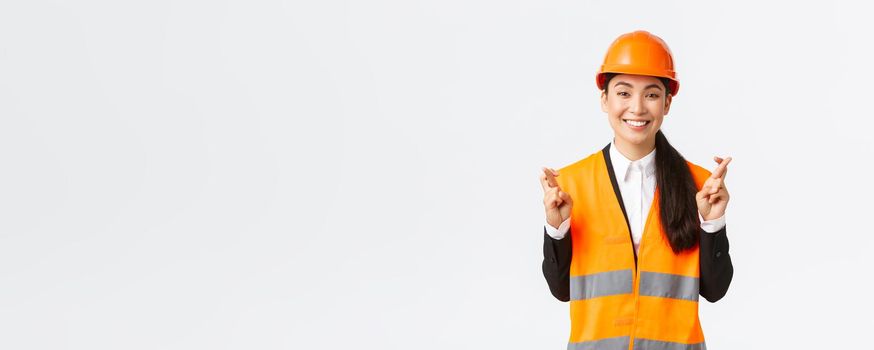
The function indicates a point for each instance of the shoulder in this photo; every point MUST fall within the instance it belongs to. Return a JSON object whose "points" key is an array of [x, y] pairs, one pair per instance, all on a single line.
{"points": [[582, 169], [592, 160], [699, 174]]}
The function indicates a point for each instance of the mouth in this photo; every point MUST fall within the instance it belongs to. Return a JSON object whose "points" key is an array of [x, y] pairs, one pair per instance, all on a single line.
{"points": [[636, 124]]}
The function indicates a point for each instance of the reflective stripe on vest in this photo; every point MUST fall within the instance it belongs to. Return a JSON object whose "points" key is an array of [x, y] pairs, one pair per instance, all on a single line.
{"points": [[654, 284], [601, 284], [665, 285], [621, 343], [617, 343], [649, 344]]}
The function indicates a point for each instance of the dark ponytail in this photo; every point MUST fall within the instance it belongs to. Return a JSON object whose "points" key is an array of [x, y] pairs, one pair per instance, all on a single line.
{"points": [[679, 211]]}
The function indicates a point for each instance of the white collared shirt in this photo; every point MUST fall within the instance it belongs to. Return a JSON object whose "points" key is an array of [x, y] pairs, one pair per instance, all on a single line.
{"points": [[637, 185]]}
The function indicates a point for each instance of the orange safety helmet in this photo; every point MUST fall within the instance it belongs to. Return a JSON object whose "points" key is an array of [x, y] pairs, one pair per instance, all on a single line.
{"points": [[640, 53]]}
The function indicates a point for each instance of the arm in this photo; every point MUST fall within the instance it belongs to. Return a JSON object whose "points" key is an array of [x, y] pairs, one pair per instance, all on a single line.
{"points": [[716, 268], [556, 242], [556, 264]]}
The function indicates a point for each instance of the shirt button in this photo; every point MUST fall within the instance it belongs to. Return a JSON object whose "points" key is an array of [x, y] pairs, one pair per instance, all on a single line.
{"points": [[718, 254], [552, 260]]}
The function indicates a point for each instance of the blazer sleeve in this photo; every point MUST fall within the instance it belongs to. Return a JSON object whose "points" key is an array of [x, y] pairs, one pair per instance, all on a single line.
{"points": [[716, 268], [556, 265]]}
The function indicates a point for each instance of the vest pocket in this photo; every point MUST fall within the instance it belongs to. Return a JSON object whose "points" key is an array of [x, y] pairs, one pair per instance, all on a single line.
{"points": [[615, 239]]}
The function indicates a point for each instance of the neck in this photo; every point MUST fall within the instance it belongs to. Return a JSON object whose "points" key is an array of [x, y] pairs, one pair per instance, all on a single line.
{"points": [[634, 151]]}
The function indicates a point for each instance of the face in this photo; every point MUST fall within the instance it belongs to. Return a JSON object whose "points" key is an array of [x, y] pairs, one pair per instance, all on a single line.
{"points": [[635, 106]]}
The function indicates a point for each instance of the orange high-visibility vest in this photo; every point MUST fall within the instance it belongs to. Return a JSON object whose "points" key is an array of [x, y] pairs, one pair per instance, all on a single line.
{"points": [[619, 299]]}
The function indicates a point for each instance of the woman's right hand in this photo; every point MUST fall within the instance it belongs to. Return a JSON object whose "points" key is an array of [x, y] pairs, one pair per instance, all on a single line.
{"points": [[558, 204]]}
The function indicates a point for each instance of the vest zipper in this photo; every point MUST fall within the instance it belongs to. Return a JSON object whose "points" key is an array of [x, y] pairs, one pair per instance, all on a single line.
{"points": [[636, 287], [636, 293], [636, 282]]}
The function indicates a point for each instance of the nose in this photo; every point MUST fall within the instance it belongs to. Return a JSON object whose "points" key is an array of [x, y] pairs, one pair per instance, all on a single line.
{"points": [[636, 106]]}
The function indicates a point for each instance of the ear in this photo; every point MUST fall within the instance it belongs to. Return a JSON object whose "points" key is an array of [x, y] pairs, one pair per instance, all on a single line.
{"points": [[604, 101], [668, 99]]}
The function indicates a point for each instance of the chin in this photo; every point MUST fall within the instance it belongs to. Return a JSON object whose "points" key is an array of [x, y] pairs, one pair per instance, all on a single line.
{"points": [[635, 139]]}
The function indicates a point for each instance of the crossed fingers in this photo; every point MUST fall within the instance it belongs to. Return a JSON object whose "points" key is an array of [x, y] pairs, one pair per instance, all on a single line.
{"points": [[547, 179], [721, 169], [716, 183]]}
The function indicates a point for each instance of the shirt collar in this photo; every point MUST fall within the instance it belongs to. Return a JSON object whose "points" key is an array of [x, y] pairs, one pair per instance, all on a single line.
{"points": [[622, 165]]}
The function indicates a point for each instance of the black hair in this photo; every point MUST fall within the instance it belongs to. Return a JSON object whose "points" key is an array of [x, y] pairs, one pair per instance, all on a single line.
{"points": [[679, 210]]}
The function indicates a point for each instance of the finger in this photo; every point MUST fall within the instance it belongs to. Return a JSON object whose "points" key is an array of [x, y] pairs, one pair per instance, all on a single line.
{"points": [[543, 182], [554, 192], [552, 200], [718, 161], [707, 187], [719, 196], [550, 177], [705, 190], [554, 172], [715, 186], [707, 183], [565, 197], [551, 204], [551, 180], [721, 168], [547, 179], [714, 198], [556, 197], [700, 196]]}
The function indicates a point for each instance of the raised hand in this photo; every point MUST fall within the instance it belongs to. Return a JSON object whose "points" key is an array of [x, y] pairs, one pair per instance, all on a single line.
{"points": [[558, 204], [713, 197]]}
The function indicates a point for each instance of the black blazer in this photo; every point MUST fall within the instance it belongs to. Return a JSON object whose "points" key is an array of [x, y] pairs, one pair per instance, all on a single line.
{"points": [[716, 268]]}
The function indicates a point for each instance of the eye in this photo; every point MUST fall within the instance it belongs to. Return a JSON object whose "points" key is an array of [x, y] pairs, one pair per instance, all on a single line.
{"points": [[653, 95], [623, 94]]}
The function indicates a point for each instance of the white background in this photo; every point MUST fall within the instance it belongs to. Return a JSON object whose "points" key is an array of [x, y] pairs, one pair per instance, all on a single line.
{"points": [[363, 175]]}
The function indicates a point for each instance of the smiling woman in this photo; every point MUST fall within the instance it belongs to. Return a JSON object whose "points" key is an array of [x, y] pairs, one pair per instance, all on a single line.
{"points": [[639, 102], [636, 113], [647, 228]]}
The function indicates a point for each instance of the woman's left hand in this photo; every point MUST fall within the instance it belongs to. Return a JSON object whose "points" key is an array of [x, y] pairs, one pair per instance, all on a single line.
{"points": [[713, 197]]}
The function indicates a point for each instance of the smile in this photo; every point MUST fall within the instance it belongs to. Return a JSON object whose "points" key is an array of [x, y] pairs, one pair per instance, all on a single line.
{"points": [[636, 123]]}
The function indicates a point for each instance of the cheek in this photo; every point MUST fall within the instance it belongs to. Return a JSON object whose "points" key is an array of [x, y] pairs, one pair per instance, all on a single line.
{"points": [[615, 109], [656, 107]]}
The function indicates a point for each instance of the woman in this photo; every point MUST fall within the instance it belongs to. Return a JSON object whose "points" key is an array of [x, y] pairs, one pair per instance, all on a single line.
{"points": [[635, 232]]}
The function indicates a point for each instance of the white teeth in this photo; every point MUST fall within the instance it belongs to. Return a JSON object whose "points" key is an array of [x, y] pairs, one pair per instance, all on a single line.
{"points": [[636, 123]]}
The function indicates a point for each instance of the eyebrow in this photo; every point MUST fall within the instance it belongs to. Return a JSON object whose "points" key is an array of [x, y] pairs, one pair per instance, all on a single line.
{"points": [[629, 85]]}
